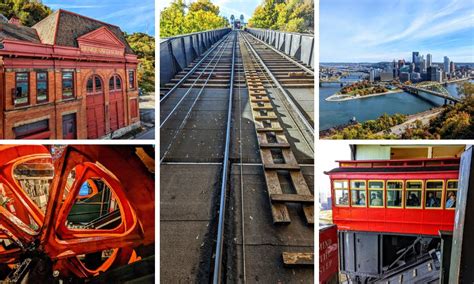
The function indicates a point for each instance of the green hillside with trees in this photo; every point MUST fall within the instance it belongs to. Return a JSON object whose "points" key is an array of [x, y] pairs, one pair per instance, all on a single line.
{"points": [[31, 12], [289, 15], [180, 18]]}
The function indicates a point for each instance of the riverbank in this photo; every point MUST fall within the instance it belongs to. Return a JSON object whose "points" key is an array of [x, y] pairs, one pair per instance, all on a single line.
{"points": [[424, 117], [341, 97]]}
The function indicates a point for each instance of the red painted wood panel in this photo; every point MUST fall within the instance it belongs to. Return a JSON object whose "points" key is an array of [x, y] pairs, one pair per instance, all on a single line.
{"points": [[95, 116], [116, 110]]}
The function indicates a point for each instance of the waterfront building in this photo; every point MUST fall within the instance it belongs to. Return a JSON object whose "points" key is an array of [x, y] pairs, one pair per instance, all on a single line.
{"points": [[446, 65], [439, 76], [66, 77], [386, 76], [404, 77]]}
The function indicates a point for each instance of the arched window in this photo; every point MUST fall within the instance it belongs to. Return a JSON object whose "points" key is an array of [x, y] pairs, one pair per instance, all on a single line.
{"points": [[94, 84], [115, 83]]}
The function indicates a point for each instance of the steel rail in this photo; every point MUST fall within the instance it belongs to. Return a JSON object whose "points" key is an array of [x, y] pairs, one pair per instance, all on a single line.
{"points": [[280, 87], [190, 72], [225, 170], [221, 50], [194, 83], [286, 56], [242, 207]]}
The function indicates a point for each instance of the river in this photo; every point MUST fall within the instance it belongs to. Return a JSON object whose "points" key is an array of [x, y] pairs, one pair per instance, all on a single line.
{"points": [[337, 113]]}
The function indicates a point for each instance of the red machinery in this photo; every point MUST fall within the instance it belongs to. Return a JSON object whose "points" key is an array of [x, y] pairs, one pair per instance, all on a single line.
{"points": [[396, 196], [29, 231]]}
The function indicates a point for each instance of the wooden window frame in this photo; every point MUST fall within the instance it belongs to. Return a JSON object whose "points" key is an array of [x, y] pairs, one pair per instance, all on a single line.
{"points": [[94, 86], [16, 87], [114, 78], [434, 189], [364, 189], [73, 91], [348, 192], [402, 190], [450, 189], [377, 189], [132, 80], [47, 86], [414, 189]]}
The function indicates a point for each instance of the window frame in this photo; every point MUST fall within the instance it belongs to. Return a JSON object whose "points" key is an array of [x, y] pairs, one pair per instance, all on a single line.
{"points": [[73, 89], [131, 80], [450, 189], [427, 190], [115, 78], [378, 189], [414, 189], [47, 86], [27, 91], [402, 190], [350, 192], [93, 77]]}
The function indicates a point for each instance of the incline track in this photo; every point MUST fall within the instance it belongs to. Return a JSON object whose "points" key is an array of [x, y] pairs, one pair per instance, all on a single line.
{"points": [[213, 185]]}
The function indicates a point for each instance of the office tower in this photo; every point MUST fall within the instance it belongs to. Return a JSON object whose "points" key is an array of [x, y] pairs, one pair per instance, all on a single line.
{"points": [[429, 60], [415, 56], [451, 67], [446, 65]]}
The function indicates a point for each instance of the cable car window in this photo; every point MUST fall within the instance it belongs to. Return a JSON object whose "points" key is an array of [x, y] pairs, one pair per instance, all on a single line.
{"points": [[341, 191], [451, 194], [414, 194], [394, 193], [434, 193], [376, 193], [358, 193]]}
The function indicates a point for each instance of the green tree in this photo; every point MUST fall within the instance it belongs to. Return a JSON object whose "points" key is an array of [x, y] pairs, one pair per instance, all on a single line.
{"points": [[200, 16], [144, 47], [29, 12], [204, 5], [172, 19], [289, 15]]}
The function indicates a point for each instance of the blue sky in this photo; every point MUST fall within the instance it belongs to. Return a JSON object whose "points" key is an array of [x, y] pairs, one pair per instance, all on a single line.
{"points": [[130, 15], [375, 30], [227, 7]]}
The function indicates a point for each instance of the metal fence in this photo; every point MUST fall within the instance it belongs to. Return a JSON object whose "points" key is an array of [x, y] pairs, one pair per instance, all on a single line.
{"points": [[298, 46], [178, 52]]}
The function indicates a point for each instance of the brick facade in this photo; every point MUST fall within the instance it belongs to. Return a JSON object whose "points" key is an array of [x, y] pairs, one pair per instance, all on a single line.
{"points": [[19, 56]]}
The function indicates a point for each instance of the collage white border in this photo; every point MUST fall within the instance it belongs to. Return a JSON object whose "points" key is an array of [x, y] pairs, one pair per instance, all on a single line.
{"points": [[157, 137]]}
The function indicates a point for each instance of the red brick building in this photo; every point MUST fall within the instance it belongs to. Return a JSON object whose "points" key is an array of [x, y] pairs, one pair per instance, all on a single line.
{"points": [[67, 77]]}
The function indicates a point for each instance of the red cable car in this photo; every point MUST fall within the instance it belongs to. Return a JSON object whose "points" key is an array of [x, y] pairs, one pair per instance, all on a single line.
{"points": [[390, 213]]}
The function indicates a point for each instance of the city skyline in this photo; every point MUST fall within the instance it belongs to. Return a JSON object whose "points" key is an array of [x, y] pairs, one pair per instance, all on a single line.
{"points": [[131, 16], [375, 31]]}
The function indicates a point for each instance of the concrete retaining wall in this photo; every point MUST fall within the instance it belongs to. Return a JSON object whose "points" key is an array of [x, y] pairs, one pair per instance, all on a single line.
{"points": [[298, 46], [178, 52]]}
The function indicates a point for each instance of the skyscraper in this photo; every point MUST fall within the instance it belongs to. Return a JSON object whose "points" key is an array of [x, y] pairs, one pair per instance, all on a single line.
{"points": [[446, 65], [429, 60], [415, 57], [451, 67]]}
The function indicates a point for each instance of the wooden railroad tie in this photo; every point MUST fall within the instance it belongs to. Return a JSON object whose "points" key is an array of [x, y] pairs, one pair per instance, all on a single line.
{"points": [[271, 140]]}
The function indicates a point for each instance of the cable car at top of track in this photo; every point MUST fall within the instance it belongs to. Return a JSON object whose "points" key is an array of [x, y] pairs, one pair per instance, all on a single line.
{"points": [[411, 196]]}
